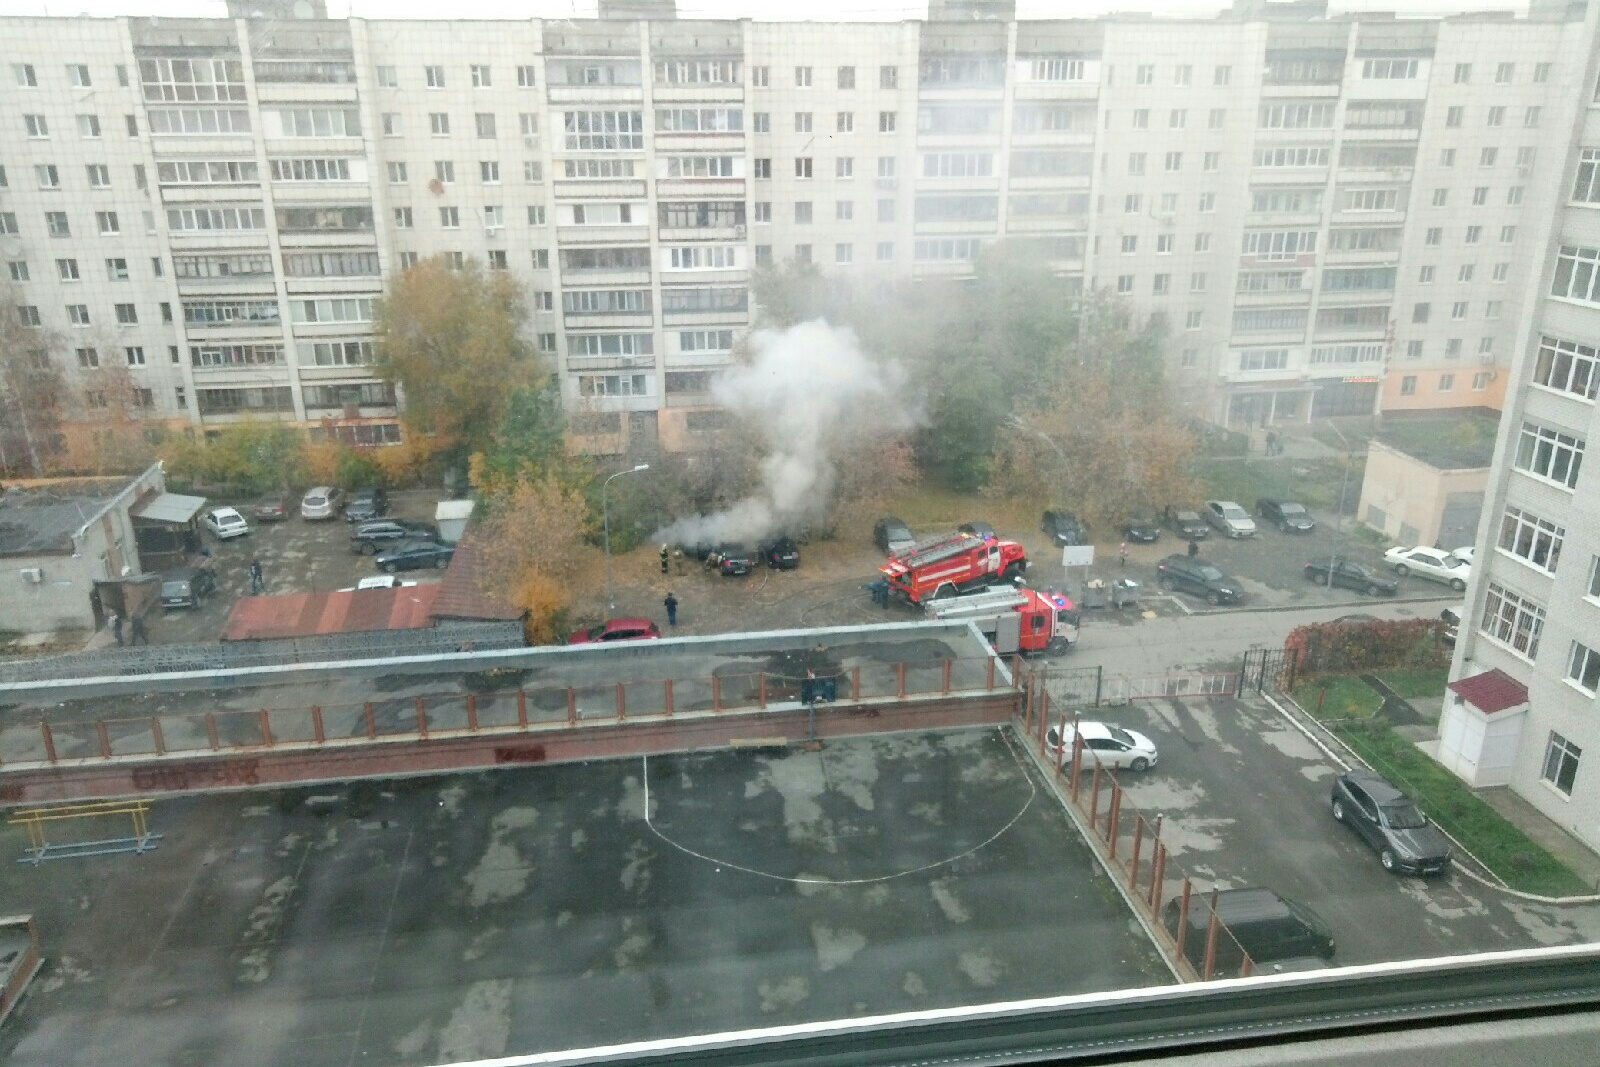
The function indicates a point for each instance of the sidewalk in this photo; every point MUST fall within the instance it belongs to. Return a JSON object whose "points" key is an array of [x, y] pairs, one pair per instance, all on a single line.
{"points": [[1578, 857]]}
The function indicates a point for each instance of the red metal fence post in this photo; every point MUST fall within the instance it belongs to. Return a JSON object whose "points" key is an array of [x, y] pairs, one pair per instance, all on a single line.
{"points": [[422, 717], [49, 738], [522, 709], [105, 738], [1213, 926], [1138, 846], [761, 691], [211, 731], [316, 723], [266, 728], [1094, 798], [1183, 914], [1158, 871], [472, 712], [622, 702], [946, 682], [372, 720], [1114, 816], [668, 685], [716, 693], [855, 683], [157, 736]]}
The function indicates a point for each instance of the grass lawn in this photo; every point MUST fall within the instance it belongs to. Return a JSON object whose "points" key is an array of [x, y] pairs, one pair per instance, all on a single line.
{"points": [[1244, 480], [927, 509], [1412, 682], [1481, 830], [1338, 696]]}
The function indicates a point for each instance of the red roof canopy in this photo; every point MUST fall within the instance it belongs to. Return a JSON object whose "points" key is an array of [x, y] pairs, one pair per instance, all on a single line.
{"points": [[1491, 691], [467, 591], [404, 607]]}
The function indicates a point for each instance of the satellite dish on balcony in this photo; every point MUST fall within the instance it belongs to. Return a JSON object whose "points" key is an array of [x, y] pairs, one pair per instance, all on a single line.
{"points": [[435, 186]]}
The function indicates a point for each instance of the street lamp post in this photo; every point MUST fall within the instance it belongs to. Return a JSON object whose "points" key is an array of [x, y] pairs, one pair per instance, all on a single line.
{"points": [[1344, 487], [605, 520]]}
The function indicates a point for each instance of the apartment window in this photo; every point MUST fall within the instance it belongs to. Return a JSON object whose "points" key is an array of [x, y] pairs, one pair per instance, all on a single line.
{"points": [[1130, 244], [1183, 74], [802, 212], [397, 173], [845, 122], [1145, 74], [888, 77], [1488, 156], [29, 315], [78, 314], [762, 168], [1441, 197], [618, 131], [1508, 234], [885, 251], [1452, 348], [761, 122], [1413, 349], [1447, 383], [1504, 73], [847, 77], [886, 167], [36, 126], [116, 270], [1164, 243], [1453, 116], [1586, 189], [1132, 204], [402, 218], [484, 121], [1568, 367], [1530, 117], [67, 270], [1222, 76], [134, 355], [802, 167], [1514, 196], [1474, 234], [1513, 620], [541, 259], [1208, 203], [1496, 116], [886, 121], [802, 253], [527, 76], [844, 167], [802, 77], [1549, 454], [1458, 310], [843, 253], [390, 122], [760, 77], [1447, 157], [1433, 236], [1408, 385], [1193, 319], [1531, 538], [89, 127], [802, 122], [844, 210], [1124, 283], [56, 224], [1577, 274], [1216, 118], [1197, 282], [1561, 759], [763, 254], [439, 121], [761, 211], [1141, 118], [88, 358], [480, 77], [1491, 310], [1177, 119], [434, 76], [1190, 357], [532, 171], [1202, 242], [1174, 162], [26, 77], [1136, 161], [388, 78], [1169, 204], [1161, 285], [127, 315], [535, 214], [1480, 196], [444, 171], [1420, 312], [489, 172]]}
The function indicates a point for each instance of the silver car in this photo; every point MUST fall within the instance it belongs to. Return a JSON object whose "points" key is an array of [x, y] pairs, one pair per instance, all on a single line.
{"points": [[323, 502], [1230, 518]]}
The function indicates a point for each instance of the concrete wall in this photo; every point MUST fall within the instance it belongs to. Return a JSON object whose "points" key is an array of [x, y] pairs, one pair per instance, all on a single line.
{"points": [[1405, 497]]}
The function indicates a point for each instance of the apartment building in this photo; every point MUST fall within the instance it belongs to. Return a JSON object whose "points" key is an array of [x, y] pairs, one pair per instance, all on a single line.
{"points": [[1330, 214], [1527, 664]]}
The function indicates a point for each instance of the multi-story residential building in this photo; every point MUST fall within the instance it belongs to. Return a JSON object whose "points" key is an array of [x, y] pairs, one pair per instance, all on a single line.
{"points": [[1330, 214], [1527, 660]]}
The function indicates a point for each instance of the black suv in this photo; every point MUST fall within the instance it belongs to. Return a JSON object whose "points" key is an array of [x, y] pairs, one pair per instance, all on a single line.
{"points": [[1191, 574], [1064, 528], [1386, 819], [1188, 524], [1349, 574], [1143, 528], [1286, 515], [370, 537], [364, 504], [733, 559], [780, 553]]}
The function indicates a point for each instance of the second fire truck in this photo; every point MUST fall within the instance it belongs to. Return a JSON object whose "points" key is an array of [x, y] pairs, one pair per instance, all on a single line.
{"points": [[953, 565]]}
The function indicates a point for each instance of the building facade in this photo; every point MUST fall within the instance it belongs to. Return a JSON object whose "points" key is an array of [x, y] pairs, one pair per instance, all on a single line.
{"points": [[1533, 614], [1332, 215]]}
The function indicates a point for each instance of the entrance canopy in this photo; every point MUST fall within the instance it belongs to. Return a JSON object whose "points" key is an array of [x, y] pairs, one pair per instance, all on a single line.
{"points": [[170, 508]]}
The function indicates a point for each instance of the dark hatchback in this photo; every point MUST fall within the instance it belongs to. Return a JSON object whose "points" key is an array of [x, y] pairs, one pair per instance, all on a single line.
{"points": [[1286, 515], [187, 587], [415, 556], [1386, 819], [1191, 574], [370, 537], [272, 509], [1348, 574], [1142, 528], [734, 559], [365, 504], [1188, 524], [780, 553], [1064, 528]]}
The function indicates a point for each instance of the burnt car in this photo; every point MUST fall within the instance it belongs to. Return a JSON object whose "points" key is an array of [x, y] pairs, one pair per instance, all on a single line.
{"points": [[733, 559], [780, 553], [1286, 515], [976, 528], [891, 535], [1064, 528], [1188, 524], [1143, 528]]}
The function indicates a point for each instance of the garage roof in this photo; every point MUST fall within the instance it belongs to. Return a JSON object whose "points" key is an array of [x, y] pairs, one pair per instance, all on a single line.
{"points": [[170, 507], [346, 612], [1491, 691]]}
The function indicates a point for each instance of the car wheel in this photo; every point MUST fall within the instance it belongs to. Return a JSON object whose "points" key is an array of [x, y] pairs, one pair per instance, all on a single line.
{"points": [[1213, 597], [1386, 857], [1457, 584], [370, 548], [1338, 811], [387, 568], [1401, 569], [441, 563], [1139, 764], [1372, 590]]}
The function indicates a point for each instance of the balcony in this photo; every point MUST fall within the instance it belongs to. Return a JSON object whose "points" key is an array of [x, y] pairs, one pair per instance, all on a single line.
{"points": [[632, 233], [700, 188], [594, 94], [601, 188], [608, 320]]}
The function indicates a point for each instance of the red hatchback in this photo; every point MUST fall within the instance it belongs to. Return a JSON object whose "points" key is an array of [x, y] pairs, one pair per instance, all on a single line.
{"points": [[616, 630]]}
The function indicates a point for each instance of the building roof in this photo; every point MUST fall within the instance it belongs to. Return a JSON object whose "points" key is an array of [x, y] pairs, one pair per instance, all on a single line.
{"points": [[466, 592], [170, 507], [1492, 691], [1458, 440], [348, 611], [43, 517]]}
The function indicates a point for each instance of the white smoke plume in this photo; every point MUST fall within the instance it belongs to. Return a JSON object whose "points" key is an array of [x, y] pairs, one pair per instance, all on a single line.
{"points": [[812, 393]]}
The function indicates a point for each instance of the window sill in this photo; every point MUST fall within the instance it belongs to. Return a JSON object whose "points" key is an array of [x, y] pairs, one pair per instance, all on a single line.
{"points": [[1524, 562], [1542, 480], [1555, 790], [1590, 693], [1497, 643]]}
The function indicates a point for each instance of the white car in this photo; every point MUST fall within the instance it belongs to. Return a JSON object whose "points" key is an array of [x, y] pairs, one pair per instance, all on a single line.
{"points": [[1111, 745], [1434, 564], [225, 523], [378, 581], [1230, 518], [1467, 553]]}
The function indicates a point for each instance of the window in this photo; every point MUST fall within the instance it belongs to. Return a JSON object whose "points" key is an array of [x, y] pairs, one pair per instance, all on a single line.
{"points": [[1222, 76], [397, 173], [1193, 320], [1567, 367], [535, 214], [1264, 359], [888, 77], [886, 166], [1465, 272], [78, 314], [1453, 116], [1216, 118], [802, 122], [56, 224], [541, 258], [1561, 763], [1463, 73], [760, 77], [957, 165], [1488, 156], [1433, 236], [36, 126], [1136, 161], [1145, 74], [1130, 244], [1141, 118], [444, 171], [311, 170], [402, 218], [127, 315], [1177, 119], [1291, 157], [844, 167], [1389, 68], [1458, 310], [88, 358], [1452, 348], [329, 122], [348, 309], [885, 251], [67, 270], [1161, 285], [1504, 73], [1586, 189], [8, 223], [1174, 162], [29, 315], [964, 249], [1132, 204], [763, 255], [603, 385], [1548, 454], [489, 171], [596, 345], [434, 77], [1296, 116], [705, 340], [134, 355], [89, 127], [1208, 203], [844, 210], [480, 76], [484, 122], [608, 301], [802, 167], [847, 77], [26, 77], [1447, 157], [1530, 117], [439, 122], [19, 269], [613, 131], [391, 124], [703, 257], [1280, 244], [763, 168], [1164, 243], [1541, 72], [1408, 385], [1447, 383], [1513, 196], [886, 121], [845, 122], [1197, 282], [1369, 199], [1441, 197], [1169, 203], [1531, 538], [1577, 274], [1474, 234], [388, 78], [802, 77], [1202, 242], [761, 122], [1496, 116], [1124, 283], [802, 212], [1055, 69]]}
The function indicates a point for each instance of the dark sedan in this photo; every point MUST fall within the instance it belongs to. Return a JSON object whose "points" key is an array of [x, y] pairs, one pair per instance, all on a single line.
{"points": [[1348, 574], [733, 559], [366, 504], [1386, 819], [1188, 524], [781, 554], [1286, 515], [370, 537], [1142, 528], [415, 556], [272, 509]]}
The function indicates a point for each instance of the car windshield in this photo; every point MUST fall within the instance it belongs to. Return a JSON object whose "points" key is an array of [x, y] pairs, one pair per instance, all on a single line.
{"points": [[1291, 509], [1188, 516], [1209, 573], [1119, 734], [1234, 512], [1403, 815]]}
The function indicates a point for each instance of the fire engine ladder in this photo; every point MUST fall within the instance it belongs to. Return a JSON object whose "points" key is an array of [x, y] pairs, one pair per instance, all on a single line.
{"points": [[977, 605], [932, 551]]}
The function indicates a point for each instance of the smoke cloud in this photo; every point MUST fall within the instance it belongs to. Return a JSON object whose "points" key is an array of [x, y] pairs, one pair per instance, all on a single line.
{"points": [[812, 394]]}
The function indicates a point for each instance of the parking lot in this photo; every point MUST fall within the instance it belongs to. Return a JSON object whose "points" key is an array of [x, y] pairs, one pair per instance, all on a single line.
{"points": [[1245, 802], [470, 916]]}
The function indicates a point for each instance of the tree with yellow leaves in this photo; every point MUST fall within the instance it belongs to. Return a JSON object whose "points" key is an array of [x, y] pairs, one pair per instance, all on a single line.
{"points": [[534, 548]]}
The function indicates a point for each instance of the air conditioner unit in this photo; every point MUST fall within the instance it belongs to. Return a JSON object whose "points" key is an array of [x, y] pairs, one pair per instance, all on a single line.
{"points": [[494, 232], [32, 574]]}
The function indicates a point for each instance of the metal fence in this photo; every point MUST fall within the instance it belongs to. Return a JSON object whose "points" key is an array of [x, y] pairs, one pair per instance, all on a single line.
{"points": [[232, 655]]}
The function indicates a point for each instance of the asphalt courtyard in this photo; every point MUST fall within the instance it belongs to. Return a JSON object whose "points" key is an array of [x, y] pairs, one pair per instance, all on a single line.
{"points": [[452, 918]]}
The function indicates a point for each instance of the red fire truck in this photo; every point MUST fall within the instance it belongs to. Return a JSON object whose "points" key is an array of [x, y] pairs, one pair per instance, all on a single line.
{"points": [[1014, 620], [952, 565]]}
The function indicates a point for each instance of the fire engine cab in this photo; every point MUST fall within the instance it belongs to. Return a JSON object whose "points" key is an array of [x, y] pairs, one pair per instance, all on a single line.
{"points": [[953, 565], [1014, 620]]}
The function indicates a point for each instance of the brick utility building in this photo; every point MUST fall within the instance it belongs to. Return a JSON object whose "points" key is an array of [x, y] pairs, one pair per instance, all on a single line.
{"points": [[1331, 214]]}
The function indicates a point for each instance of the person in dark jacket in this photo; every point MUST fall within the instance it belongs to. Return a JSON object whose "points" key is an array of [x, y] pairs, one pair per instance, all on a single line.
{"points": [[1194, 548], [671, 604]]}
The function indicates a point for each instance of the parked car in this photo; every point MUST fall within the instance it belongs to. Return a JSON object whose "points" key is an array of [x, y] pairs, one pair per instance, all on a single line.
{"points": [[976, 529], [1277, 933], [734, 559], [364, 504], [1191, 574], [378, 581], [323, 502], [779, 553], [226, 523], [1143, 528], [415, 555], [1467, 553], [271, 509], [1064, 528], [1286, 515], [369, 537], [892, 536], [1386, 819], [1432, 563], [1230, 518], [635, 629], [1348, 574], [1112, 745], [187, 587], [1188, 524], [1451, 617]]}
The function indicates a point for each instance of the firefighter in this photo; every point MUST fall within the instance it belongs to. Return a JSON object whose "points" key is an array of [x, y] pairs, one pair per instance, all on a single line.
{"points": [[665, 556], [1194, 548]]}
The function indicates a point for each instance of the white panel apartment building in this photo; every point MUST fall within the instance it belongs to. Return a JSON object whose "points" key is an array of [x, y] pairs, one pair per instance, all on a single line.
{"points": [[1327, 212], [1534, 608]]}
